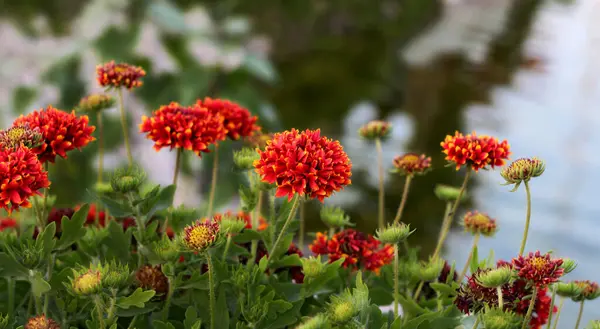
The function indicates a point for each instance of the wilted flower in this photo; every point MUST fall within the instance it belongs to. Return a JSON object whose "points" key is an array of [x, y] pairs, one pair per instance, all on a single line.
{"points": [[61, 132], [569, 289], [495, 318], [412, 164], [538, 269], [590, 290], [21, 177], [119, 75], [200, 236], [394, 233], [496, 277], [244, 158], [238, 121], [334, 217], [87, 283], [151, 277], [192, 128], [312, 267], [41, 322], [479, 223], [449, 193], [127, 180], [477, 152], [522, 170], [376, 129], [16, 136], [95, 103], [304, 163]]}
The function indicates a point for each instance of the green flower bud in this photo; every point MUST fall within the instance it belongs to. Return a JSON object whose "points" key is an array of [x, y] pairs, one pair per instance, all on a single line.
{"points": [[568, 265], [496, 277], [334, 217], [165, 249], [231, 225], [103, 188], [317, 322], [376, 129], [95, 235], [501, 319], [590, 291], [116, 275], [4, 321], [448, 193], [430, 271], [26, 252], [594, 324], [312, 267], [569, 289], [342, 310], [127, 180], [394, 233], [244, 158], [182, 214], [522, 170], [95, 103]]}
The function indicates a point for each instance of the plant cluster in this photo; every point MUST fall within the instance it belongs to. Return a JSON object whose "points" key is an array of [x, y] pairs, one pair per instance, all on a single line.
{"points": [[133, 259]]}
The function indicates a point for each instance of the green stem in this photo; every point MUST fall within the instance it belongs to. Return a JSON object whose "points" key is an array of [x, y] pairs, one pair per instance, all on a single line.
{"points": [[285, 225], [99, 308], [124, 126], [255, 224], [132, 323], [530, 309], [450, 215], [551, 307], [48, 277], [466, 267], [381, 205], [396, 292], [560, 306], [418, 291], [211, 291], [227, 245], [403, 201], [100, 129], [301, 231], [10, 285], [213, 184], [331, 232], [476, 324], [580, 314], [167, 307], [38, 305], [112, 307], [175, 176], [272, 214], [501, 299], [139, 222], [527, 219]]}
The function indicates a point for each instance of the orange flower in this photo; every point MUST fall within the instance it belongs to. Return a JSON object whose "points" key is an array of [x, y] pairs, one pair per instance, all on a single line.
{"points": [[192, 128], [478, 152], [41, 322], [237, 120], [119, 75], [304, 163], [21, 176], [61, 132], [412, 163]]}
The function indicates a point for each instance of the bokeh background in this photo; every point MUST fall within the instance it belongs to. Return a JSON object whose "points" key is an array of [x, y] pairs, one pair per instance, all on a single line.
{"points": [[524, 70]]}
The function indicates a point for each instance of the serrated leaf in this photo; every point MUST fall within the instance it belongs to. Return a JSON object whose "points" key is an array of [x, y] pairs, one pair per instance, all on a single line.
{"points": [[409, 306], [247, 236], [162, 201], [72, 229], [39, 286], [137, 299], [10, 267], [117, 242], [45, 239], [114, 207], [283, 246]]}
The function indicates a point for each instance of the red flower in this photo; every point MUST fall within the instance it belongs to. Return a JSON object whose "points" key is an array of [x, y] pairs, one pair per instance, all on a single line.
{"points": [[304, 163], [6, 223], [21, 176], [538, 269], [238, 120], [119, 75], [91, 216], [295, 271], [359, 250], [61, 131], [479, 223], [590, 290], [478, 152], [246, 217], [192, 128], [56, 215], [412, 163]]}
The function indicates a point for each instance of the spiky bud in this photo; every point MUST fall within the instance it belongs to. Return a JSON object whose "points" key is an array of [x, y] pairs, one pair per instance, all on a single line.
{"points": [[200, 236], [394, 233], [430, 271], [411, 164], [449, 193], [568, 265], [341, 309], [21, 135], [127, 180], [522, 170], [182, 214], [103, 188], [165, 249], [231, 225], [87, 283], [116, 275], [568, 289], [495, 277], [95, 103], [376, 129], [479, 223], [41, 322], [244, 158], [152, 278], [312, 267], [496, 318], [334, 217], [317, 322], [594, 324]]}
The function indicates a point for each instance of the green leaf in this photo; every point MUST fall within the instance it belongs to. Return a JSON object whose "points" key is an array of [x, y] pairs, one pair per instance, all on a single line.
{"points": [[410, 307], [161, 325], [262, 264], [191, 317], [10, 267], [72, 229], [283, 246], [23, 96], [133, 311], [117, 243], [286, 261], [39, 286], [45, 240], [115, 208], [260, 68], [222, 311], [288, 318], [162, 201], [138, 298], [443, 289], [474, 266], [247, 236]]}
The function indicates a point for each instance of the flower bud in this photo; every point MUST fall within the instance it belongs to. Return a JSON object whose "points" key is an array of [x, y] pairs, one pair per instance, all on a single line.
{"points": [[41, 322], [127, 180], [95, 103], [244, 158], [449, 193], [589, 291], [496, 318], [231, 225], [200, 236], [394, 233], [569, 289], [182, 214], [317, 322], [375, 130], [496, 277], [411, 164], [334, 217], [594, 324], [312, 267], [522, 170], [568, 265], [87, 283], [430, 271], [116, 275], [21, 135], [165, 249], [342, 310], [479, 223], [103, 188], [152, 278]]}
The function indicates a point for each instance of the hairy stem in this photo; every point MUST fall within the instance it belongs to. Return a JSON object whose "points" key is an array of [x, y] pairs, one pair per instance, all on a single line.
{"points": [[476, 324], [301, 231], [551, 307], [530, 309], [560, 306], [285, 225], [175, 176], [49, 269], [99, 307], [227, 245], [418, 291], [211, 291], [125, 127], [466, 267], [100, 129], [396, 279], [213, 184], [500, 298], [167, 307], [403, 201], [381, 204], [255, 224], [527, 219], [581, 304]]}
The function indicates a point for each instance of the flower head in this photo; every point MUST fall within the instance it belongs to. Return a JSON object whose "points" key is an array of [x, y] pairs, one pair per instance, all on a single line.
{"points": [[41, 322], [237, 120], [522, 170], [589, 291], [21, 177], [477, 152], [87, 283], [538, 269], [479, 223], [412, 164], [16, 136], [569, 289], [95, 103], [304, 163], [61, 132], [201, 235], [113, 75], [375, 129], [192, 128], [496, 277], [152, 277]]}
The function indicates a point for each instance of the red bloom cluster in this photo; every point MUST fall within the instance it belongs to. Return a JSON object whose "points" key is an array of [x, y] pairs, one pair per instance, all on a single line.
{"points": [[304, 163], [359, 250], [237, 120], [192, 128], [119, 75], [6, 223], [246, 217], [21, 177], [538, 269], [61, 131], [472, 297], [475, 151]]}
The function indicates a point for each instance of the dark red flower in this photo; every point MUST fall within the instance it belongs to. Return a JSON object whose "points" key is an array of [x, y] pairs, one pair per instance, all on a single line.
{"points": [[21, 177], [119, 75], [304, 163], [56, 215], [61, 131], [475, 151], [152, 277], [41, 322], [191, 128], [538, 269], [238, 120], [7, 223], [359, 250]]}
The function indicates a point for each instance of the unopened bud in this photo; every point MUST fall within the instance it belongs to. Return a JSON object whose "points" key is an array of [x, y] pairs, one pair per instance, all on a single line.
{"points": [[244, 158], [87, 283], [334, 217], [95, 103], [116, 275], [375, 130], [522, 170], [449, 193], [430, 271], [127, 180], [568, 289], [312, 267], [231, 225], [496, 277], [317, 322], [394, 233], [594, 324], [496, 318], [568, 265]]}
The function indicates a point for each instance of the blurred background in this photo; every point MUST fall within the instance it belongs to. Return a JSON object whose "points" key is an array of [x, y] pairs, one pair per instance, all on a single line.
{"points": [[522, 70]]}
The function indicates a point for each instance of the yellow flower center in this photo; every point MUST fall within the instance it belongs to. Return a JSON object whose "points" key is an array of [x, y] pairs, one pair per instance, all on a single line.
{"points": [[539, 263], [87, 282], [15, 134], [199, 236], [480, 219], [120, 69], [410, 159]]}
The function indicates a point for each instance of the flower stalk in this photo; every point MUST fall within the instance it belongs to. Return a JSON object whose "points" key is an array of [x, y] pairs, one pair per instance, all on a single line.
{"points": [[381, 203], [125, 126], [213, 184], [530, 309], [581, 304], [527, 219], [551, 307], [285, 226], [211, 290], [301, 230], [404, 197], [560, 306], [463, 273], [396, 279]]}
